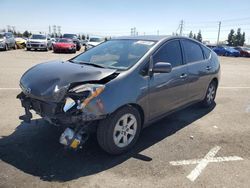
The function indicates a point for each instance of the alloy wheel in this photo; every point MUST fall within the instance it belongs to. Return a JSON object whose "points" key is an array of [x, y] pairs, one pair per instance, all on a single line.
{"points": [[125, 130]]}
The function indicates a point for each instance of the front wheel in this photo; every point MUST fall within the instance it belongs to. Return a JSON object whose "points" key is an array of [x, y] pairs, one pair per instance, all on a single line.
{"points": [[210, 95], [120, 131]]}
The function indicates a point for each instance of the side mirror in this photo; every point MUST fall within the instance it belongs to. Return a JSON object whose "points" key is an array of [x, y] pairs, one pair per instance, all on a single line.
{"points": [[162, 67]]}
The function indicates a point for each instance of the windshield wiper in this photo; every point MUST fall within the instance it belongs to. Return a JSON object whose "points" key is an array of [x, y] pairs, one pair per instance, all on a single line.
{"points": [[86, 63]]}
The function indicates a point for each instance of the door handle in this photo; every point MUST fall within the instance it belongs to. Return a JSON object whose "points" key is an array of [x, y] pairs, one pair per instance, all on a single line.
{"points": [[208, 68], [183, 76]]}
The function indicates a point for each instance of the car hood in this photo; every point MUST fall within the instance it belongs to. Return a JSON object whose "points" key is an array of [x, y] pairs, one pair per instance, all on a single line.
{"points": [[50, 81], [94, 43]]}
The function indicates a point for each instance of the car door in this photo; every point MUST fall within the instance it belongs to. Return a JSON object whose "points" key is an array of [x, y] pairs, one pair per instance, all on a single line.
{"points": [[198, 60], [167, 91]]}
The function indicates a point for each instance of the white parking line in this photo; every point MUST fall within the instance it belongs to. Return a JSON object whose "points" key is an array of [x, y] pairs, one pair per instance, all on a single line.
{"points": [[228, 87], [202, 163], [13, 88]]}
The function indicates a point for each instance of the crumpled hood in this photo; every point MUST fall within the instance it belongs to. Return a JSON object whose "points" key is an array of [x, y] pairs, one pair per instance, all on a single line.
{"points": [[50, 81]]}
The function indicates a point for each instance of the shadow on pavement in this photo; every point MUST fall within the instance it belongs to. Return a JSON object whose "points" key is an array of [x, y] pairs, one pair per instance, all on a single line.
{"points": [[34, 148]]}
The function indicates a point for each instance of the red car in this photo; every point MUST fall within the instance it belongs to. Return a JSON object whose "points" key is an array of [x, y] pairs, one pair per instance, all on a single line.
{"points": [[244, 51], [64, 45]]}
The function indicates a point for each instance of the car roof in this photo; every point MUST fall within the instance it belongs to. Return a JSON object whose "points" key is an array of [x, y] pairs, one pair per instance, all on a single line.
{"points": [[145, 37]]}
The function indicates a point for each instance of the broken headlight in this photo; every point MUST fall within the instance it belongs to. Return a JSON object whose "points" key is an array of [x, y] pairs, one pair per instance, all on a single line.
{"points": [[82, 95]]}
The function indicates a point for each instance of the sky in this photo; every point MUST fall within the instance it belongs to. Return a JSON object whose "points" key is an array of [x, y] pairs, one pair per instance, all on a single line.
{"points": [[117, 17]]}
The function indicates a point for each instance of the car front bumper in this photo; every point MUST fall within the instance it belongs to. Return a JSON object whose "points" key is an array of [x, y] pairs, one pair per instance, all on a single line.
{"points": [[53, 112], [36, 46]]}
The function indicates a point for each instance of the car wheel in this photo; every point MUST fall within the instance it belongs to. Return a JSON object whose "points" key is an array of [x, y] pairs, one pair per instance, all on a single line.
{"points": [[28, 49], [6, 47], [78, 48], [120, 131], [210, 94]]}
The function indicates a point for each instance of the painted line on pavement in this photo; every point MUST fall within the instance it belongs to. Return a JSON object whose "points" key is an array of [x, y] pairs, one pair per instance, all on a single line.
{"points": [[202, 163]]}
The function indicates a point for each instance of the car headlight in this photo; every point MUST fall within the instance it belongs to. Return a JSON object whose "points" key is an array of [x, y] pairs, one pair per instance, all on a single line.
{"points": [[69, 103], [82, 95]]}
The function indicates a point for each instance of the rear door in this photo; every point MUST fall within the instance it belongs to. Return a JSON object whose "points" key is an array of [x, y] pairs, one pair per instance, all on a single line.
{"points": [[167, 91], [198, 60]]}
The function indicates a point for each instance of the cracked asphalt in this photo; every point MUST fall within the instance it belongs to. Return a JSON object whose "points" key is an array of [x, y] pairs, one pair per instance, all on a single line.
{"points": [[30, 155]]}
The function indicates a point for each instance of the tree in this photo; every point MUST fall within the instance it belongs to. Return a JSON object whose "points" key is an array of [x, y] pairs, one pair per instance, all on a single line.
{"points": [[26, 34], [83, 37], [230, 38], [237, 38], [195, 37], [243, 39], [191, 35], [199, 36]]}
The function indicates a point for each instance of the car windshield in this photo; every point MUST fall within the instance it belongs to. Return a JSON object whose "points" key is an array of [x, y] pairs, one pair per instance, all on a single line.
{"points": [[65, 40], [70, 36], [117, 54], [38, 37], [96, 40]]}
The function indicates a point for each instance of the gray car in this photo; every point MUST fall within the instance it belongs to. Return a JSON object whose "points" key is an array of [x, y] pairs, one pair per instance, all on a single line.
{"points": [[7, 41], [119, 87]]}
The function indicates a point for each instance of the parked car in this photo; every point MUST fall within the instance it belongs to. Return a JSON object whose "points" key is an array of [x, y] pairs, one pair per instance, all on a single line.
{"points": [[120, 87], [226, 51], [75, 40], [244, 51], [64, 45], [7, 41], [39, 42], [20, 42], [94, 41]]}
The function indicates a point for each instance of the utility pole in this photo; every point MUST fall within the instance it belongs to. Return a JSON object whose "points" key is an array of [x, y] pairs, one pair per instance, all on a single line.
{"points": [[54, 30], [181, 27], [218, 38], [59, 30], [49, 30], [133, 31]]}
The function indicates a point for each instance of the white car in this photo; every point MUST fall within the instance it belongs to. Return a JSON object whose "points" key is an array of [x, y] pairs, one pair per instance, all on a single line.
{"points": [[39, 41], [94, 41]]}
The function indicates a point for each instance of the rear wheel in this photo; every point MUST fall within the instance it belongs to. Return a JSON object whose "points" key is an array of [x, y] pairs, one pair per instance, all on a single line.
{"points": [[28, 49], [210, 95], [120, 131]]}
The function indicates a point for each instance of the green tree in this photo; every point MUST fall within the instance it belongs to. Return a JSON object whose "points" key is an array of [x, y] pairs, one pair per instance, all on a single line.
{"points": [[243, 39], [83, 37], [237, 38], [199, 36], [195, 37], [230, 38], [191, 34], [26, 34]]}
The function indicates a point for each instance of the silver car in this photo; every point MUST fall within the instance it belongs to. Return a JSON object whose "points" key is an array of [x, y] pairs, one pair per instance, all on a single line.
{"points": [[39, 42], [7, 41]]}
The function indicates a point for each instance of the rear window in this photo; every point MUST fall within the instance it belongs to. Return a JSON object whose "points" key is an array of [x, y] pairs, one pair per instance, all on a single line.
{"points": [[193, 51], [206, 52]]}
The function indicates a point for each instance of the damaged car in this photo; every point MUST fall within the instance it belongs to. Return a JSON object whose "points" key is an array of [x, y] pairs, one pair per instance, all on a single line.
{"points": [[119, 87]]}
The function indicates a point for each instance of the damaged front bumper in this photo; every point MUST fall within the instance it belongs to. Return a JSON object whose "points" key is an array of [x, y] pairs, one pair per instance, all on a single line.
{"points": [[53, 112]]}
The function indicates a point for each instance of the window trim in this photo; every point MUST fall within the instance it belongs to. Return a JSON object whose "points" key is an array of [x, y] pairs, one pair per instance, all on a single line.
{"points": [[165, 43]]}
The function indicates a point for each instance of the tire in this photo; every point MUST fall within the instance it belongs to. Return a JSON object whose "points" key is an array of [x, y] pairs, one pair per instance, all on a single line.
{"points": [[78, 47], [6, 47], [208, 101], [28, 49], [111, 132], [15, 46]]}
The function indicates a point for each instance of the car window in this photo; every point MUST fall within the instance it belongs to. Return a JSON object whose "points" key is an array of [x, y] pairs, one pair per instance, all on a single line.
{"points": [[193, 51], [170, 52], [206, 52]]}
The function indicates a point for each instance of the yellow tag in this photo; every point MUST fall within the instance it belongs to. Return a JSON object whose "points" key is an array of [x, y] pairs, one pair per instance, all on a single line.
{"points": [[75, 143]]}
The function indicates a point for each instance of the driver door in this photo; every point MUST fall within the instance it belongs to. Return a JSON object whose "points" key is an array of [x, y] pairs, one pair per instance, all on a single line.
{"points": [[168, 91]]}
